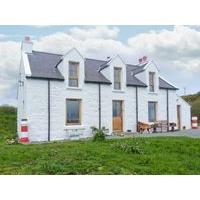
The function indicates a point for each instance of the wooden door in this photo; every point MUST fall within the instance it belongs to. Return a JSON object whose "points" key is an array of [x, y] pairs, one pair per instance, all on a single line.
{"points": [[117, 116], [179, 116]]}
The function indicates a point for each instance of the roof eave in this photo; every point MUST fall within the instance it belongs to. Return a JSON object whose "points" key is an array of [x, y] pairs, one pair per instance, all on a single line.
{"points": [[45, 78], [98, 82], [165, 88], [134, 85]]}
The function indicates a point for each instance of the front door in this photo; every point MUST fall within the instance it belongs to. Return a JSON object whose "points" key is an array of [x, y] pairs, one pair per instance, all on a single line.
{"points": [[179, 116], [117, 116]]}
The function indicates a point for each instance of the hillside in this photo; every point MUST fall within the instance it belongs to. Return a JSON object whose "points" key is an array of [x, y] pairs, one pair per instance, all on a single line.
{"points": [[194, 101], [8, 119]]}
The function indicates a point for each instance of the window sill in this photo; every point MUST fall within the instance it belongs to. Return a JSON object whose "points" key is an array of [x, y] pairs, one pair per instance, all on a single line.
{"points": [[74, 88], [118, 91], [72, 127], [155, 93]]}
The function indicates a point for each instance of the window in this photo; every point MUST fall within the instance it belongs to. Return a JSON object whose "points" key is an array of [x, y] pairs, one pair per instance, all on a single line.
{"points": [[117, 78], [73, 74], [152, 110], [151, 81], [73, 111]]}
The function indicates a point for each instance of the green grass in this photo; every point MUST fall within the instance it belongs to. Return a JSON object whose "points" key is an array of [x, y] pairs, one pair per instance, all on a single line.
{"points": [[164, 155], [159, 156], [7, 122]]}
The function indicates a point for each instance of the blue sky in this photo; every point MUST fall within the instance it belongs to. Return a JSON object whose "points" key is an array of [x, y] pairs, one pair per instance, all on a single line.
{"points": [[17, 33], [175, 49]]}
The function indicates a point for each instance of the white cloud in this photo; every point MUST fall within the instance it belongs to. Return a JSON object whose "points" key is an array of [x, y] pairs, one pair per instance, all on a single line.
{"points": [[174, 51], [102, 32], [179, 46]]}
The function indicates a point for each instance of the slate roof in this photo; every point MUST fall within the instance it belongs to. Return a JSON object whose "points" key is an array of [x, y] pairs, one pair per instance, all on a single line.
{"points": [[92, 75], [43, 66], [165, 85], [137, 68], [132, 80]]}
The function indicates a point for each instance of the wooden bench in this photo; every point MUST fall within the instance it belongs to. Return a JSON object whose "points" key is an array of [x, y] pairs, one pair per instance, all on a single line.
{"points": [[163, 125]]}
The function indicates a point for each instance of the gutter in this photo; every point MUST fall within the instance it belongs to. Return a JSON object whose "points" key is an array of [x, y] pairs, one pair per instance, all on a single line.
{"points": [[136, 94], [99, 88], [49, 113]]}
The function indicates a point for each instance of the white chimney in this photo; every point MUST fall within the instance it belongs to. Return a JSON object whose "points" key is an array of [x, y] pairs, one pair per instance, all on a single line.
{"points": [[27, 45]]}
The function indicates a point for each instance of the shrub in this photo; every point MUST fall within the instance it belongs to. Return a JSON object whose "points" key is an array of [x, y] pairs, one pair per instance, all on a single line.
{"points": [[99, 135]]}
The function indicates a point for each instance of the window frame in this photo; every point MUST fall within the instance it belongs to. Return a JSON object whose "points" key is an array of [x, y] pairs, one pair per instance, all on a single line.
{"points": [[152, 79], [80, 112], [120, 77], [156, 110], [73, 77]]}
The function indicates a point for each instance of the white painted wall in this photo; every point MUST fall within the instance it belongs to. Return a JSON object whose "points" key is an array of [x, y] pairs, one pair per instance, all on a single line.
{"points": [[185, 113], [21, 95]]}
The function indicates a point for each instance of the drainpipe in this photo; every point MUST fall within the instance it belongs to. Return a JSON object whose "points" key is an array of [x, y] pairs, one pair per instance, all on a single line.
{"points": [[136, 94], [99, 106], [49, 110], [168, 109]]}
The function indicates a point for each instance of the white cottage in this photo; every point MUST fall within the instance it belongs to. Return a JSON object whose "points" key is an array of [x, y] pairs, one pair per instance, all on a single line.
{"points": [[63, 96]]}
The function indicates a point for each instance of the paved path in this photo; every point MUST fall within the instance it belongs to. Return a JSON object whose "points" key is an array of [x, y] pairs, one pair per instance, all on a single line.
{"points": [[195, 133]]}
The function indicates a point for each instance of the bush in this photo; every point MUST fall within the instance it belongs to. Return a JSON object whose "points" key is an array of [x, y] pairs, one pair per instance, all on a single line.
{"points": [[99, 135]]}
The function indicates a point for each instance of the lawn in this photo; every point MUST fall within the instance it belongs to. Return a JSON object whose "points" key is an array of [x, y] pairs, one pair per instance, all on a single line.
{"points": [[164, 155]]}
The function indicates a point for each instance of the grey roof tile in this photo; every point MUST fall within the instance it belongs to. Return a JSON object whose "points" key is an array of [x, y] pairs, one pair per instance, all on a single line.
{"points": [[165, 85], [43, 65], [132, 80], [92, 75]]}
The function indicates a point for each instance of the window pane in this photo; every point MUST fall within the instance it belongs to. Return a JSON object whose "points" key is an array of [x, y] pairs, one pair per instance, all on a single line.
{"points": [[116, 108], [73, 74], [151, 81], [73, 82], [117, 86], [73, 69], [73, 107], [152, 111], [117, 78]]}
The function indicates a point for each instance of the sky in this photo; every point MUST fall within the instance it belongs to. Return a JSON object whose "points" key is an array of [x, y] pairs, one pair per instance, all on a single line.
{"points": [[174, 49]]}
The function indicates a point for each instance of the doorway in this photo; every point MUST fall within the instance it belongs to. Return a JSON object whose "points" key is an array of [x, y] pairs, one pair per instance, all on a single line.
{"points": [[179, 116], [117, 116]]}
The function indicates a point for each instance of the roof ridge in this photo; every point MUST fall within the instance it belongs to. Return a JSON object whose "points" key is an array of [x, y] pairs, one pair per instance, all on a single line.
{"points": [[96, 59], [47, 53], [132, 65]]}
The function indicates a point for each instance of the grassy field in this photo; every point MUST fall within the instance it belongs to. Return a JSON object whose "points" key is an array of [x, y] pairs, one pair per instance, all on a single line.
{"points": [[140, 156], [164, 155]]}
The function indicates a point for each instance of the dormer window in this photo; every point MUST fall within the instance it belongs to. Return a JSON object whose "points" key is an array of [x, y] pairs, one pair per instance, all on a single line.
{"points": [[117, 78], [73, 74], [151, 81]]}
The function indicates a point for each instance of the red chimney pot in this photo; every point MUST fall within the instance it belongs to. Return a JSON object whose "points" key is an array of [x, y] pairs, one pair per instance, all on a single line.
{"points": [[140, 60], [27, 39], [144, 58]]}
